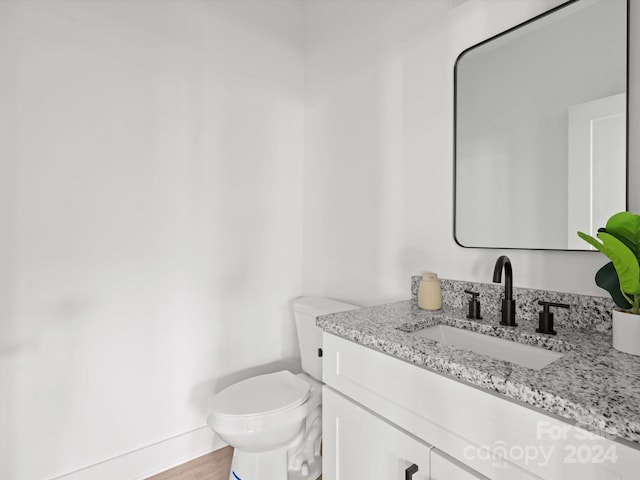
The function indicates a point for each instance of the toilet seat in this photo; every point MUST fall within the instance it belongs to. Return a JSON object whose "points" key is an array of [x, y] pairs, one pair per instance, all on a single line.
{"points": [[264, 412], [262, 395]]}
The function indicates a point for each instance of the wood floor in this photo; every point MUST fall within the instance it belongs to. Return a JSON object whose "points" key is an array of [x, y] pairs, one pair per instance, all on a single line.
{"points": [[212, 466]]}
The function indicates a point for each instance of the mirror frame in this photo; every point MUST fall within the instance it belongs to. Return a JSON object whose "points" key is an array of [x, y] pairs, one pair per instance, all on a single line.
{"points": [[455, 121]]}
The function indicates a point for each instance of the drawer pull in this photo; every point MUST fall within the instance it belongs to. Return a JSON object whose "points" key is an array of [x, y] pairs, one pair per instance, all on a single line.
{"points": [[408, 473]]}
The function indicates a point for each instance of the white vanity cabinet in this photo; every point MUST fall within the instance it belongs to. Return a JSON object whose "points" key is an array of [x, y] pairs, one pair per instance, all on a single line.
{"points": [[363, 446], [382, 415], [442, 467]]}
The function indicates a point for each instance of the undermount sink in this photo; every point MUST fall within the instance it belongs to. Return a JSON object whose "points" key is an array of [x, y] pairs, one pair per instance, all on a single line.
{"points": [[498, 348]]}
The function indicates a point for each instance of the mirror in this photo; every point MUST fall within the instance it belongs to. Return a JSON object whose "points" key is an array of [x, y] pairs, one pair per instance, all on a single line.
{"points": [[541, 129]]}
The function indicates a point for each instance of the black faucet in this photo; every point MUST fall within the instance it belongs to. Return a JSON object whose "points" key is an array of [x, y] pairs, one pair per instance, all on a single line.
{"points": [[508, 303]]}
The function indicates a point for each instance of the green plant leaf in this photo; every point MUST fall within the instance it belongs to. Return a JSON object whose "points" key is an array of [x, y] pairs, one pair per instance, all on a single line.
{"points": [[591, 241], [624, 260], [607, 278], [625, 226]]}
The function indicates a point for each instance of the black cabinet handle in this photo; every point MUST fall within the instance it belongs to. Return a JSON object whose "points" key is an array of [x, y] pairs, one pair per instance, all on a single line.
{"points": [[408, 473]]}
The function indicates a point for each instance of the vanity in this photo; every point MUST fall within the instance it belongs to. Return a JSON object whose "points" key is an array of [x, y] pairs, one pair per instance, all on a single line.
{"points": [[400, 405]]}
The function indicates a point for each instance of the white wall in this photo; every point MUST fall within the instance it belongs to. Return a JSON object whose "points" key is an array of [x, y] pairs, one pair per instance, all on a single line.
{"points": [[150, 203], [378, 150]]}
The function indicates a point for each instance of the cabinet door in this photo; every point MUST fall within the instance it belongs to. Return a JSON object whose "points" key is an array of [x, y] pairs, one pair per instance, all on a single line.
{"points": [[444, 467], [358, 444]]}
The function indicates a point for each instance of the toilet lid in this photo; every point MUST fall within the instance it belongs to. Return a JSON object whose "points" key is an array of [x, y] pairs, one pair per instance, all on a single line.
{"points": [[263, 394]]}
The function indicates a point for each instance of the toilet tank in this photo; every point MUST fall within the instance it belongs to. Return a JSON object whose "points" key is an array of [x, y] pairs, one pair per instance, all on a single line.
{"points": [[306, 309]]}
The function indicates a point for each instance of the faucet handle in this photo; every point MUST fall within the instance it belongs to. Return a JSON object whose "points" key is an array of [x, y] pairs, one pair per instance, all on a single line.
{"points": [[474, 306], [545, 322], [546, 305]]}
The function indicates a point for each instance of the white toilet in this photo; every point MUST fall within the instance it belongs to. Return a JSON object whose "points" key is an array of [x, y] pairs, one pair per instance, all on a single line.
{"points": [[274, 421]]}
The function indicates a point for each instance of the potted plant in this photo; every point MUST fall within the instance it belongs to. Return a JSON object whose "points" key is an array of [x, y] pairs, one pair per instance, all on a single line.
{"points": [[620, 241]]}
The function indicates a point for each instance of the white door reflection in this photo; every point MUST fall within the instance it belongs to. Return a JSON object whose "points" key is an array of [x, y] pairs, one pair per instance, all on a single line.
{"points": [[597, 165]]}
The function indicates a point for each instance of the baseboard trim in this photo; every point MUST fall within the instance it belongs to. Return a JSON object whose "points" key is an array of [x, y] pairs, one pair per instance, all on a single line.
{"points": [[152, 459]]}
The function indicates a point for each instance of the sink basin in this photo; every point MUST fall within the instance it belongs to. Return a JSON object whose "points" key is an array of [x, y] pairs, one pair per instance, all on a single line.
{"points": [[498, 348]]}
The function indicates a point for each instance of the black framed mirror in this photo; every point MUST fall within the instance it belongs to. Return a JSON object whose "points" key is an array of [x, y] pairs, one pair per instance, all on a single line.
{"points": [[540, 128]]}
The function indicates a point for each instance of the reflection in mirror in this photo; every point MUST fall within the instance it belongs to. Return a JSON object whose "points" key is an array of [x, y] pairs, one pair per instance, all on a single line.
{"points": [[540, 132]]}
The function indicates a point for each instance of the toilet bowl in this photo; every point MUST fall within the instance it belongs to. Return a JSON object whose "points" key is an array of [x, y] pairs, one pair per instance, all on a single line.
{"points": [[274, 421], [271, 427]]}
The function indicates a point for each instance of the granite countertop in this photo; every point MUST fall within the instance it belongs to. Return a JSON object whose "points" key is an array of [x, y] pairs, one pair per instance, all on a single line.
{"points": [[592, 384]]}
